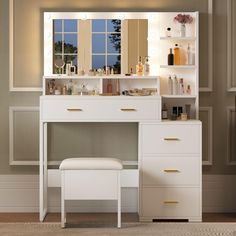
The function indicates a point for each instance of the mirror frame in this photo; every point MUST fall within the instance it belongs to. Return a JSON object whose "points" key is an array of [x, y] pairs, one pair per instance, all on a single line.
{"points": [[152, 18]]}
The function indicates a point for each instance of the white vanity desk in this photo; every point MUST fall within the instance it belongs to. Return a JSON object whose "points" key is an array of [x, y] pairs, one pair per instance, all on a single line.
{"points": [[169, 159], [169, 152]]}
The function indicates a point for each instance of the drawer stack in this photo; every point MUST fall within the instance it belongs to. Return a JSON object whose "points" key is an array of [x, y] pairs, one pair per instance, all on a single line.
{"points": [[170, 171]]}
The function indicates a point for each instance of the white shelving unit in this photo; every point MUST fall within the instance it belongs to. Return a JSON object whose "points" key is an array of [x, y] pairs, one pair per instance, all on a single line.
{"points": [[189, 73], [99, 82]]}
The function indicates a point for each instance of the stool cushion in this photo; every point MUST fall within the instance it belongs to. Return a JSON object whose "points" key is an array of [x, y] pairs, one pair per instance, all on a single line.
{"points": [[91, 163]]}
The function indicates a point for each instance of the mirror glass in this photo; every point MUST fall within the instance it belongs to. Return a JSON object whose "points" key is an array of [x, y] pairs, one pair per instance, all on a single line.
{"points": [[95, 44]]}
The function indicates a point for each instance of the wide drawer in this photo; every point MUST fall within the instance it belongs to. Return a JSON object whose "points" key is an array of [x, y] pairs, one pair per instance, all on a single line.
{"points": [[72, 109], [170, 202], [171, 138], [169, 170]]}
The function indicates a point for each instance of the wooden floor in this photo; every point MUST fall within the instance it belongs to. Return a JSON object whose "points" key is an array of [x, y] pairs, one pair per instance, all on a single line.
{"points": [[101, 217]]}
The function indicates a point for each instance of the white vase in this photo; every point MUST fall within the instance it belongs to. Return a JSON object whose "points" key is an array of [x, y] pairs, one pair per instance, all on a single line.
{"points": [[182, 30]]}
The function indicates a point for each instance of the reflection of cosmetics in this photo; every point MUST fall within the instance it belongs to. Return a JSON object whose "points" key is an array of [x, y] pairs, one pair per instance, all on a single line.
{"points": [[68, 69], [139, 67], [112, 71], [146, 66], [72, 70]]}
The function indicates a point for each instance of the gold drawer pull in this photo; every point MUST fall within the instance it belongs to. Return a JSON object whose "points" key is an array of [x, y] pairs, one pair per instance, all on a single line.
{"points": [[171, 139], [128, 109], [170, 202], [171, 171], [74, 109]]}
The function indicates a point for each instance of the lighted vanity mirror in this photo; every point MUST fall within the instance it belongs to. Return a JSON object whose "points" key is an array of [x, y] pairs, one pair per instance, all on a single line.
{"points": [[99, 44], [95, 41]]}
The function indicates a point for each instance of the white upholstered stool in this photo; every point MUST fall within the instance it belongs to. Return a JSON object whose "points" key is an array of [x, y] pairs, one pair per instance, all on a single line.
{"points": [[90, 179]]}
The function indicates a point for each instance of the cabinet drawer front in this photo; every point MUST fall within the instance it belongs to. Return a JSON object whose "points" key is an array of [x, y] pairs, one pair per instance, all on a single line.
{"points": [[92, 109], [169, 171], [171, 139], [170, 202]]}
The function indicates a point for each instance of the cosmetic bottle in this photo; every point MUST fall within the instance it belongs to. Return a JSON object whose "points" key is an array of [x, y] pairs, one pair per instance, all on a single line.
{"points": [[176, 55], [139, 67], [189, 56], [117, 86], [64, 90], [109, 86], [69, 87], [175, 86], [181, 86], [146, 66], [170, 58], [164, 112], [170, 86], [188, 91]]}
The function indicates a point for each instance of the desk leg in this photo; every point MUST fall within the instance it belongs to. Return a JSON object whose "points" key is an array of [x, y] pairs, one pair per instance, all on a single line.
{"points": [[43, 172]]}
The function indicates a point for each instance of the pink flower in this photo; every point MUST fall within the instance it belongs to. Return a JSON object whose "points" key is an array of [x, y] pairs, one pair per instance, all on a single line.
{"points": [[184, 19]]}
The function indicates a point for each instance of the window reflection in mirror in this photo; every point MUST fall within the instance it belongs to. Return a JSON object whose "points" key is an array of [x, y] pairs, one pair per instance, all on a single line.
{"points": [[100, 43]]}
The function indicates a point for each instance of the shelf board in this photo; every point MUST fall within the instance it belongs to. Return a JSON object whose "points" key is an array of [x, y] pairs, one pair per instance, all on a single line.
{"points": [[144, 77], [178, 66], [179, 96], [178, 38]]}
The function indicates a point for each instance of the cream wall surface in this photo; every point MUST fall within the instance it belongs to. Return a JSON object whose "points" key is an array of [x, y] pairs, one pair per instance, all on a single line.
{"points": [[100, 139]]}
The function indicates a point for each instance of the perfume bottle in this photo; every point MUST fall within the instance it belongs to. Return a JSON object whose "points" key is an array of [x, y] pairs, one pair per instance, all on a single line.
{"points": [[175, 86], [171, 58], [181, 86], [69, 87], [146, 66], [188, 91], [164, 112], [176, 55], [189, 56], [109, 86], [139, 67], [170, 86]]}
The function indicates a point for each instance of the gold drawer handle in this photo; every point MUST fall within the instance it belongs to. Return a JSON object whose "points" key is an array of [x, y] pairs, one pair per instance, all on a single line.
{"points": [[74, 109], [128, 109], [171, 139], [170, 202], [171, 171]]}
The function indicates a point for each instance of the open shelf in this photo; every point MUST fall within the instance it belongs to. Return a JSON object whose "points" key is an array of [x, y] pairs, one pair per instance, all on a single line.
{"points": [[178, 66], [179, 96], [58, 76], [178, 38]]}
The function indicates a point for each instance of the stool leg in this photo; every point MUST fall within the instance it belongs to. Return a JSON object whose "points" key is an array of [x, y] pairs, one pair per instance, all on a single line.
{"points": [[119, 203], [62, 201]]}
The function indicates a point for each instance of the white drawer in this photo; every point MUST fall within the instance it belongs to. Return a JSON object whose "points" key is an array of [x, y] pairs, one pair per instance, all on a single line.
{"points": [[95, 109], [171, 138], [171, 202], [170, 171]]}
